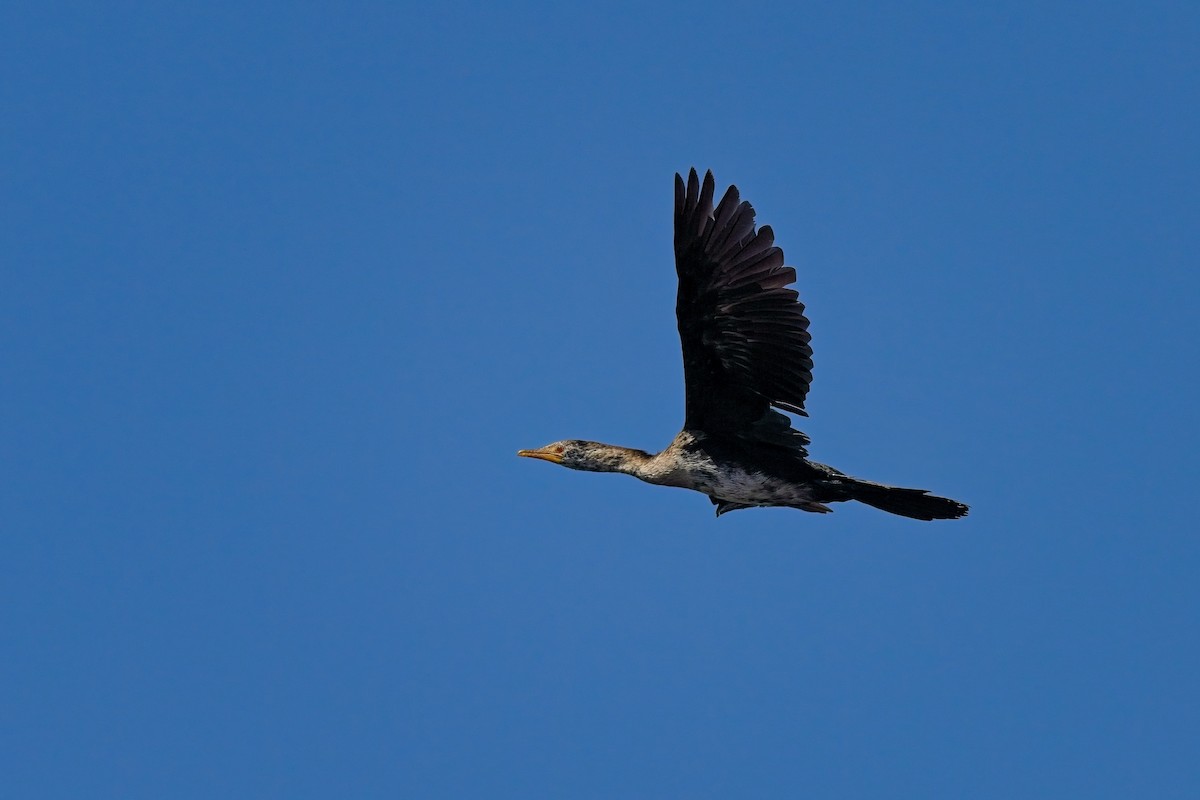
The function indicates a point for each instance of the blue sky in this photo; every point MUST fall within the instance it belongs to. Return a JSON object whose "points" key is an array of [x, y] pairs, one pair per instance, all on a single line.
{"points": [[286, 286]]}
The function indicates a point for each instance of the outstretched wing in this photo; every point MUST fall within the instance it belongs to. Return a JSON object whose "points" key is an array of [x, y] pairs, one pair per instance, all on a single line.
{"points": [[744, 334]]}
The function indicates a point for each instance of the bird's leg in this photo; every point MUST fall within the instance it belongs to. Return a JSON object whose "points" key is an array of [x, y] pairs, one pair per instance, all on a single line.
{"points": [[724, 506]]}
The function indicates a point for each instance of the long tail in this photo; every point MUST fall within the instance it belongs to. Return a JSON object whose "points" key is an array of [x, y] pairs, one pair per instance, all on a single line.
{"points": [[914, 503]]}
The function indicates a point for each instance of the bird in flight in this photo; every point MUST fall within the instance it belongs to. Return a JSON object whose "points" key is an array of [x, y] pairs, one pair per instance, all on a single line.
{"points": [[746, 357]]}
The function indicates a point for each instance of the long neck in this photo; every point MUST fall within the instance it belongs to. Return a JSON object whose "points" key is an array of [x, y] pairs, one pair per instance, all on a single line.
{"points": [[611, 458]]}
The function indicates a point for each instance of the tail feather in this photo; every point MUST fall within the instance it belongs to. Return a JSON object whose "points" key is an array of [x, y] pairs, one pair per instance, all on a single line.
{"points": [[913, 503]]}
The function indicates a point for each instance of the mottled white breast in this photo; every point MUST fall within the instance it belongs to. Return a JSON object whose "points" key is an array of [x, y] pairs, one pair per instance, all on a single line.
{"points": [[755, 488], [680, 465]]}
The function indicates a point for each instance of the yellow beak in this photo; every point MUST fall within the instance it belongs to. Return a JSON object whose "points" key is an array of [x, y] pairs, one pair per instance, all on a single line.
{"points": [[544, 453]]}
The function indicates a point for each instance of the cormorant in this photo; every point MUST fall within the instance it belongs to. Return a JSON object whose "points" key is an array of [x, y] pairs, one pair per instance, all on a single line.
{"points": [[746, 353]]}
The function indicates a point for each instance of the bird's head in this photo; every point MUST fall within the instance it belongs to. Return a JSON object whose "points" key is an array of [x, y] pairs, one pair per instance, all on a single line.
{"points": [[590, 456], [570, 453]]}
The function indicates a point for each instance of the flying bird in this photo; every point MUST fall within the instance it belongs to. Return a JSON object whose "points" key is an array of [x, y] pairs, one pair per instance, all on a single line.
{"points": [[746, 358]]}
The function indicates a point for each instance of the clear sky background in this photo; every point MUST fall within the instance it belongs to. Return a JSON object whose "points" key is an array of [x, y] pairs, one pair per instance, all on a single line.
{"points": [[285, 286]]}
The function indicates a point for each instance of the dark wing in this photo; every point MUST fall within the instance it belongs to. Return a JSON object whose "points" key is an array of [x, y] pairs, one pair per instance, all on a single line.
{"points": [[744, 334]]}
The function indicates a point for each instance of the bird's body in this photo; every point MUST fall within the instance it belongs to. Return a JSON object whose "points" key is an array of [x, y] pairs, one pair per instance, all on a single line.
{"points": [[746, 353], [732, 473]]}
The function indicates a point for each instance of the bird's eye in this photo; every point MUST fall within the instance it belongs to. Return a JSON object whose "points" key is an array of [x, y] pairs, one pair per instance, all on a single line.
{"points": [[558, 449]]}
